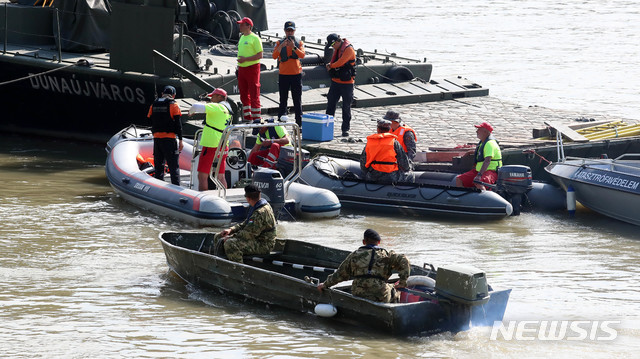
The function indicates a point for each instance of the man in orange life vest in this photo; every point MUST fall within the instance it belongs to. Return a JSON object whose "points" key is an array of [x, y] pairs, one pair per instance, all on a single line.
{"points": [[342, 70], [288, 52], [166, 124], [406, 135], [383, 159]]}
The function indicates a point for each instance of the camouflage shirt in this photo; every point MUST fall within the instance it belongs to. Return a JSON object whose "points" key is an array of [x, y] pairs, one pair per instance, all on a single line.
{"points": [[370, 276], [259, 226]]}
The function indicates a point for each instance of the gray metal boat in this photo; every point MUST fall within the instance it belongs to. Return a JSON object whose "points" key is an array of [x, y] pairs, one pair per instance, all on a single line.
{"points": [[447, 299], [95, 67], [607, 186]]}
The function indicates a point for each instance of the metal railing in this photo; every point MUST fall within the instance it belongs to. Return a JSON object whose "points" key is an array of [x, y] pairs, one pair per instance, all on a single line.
{"points": [[295, 137]]}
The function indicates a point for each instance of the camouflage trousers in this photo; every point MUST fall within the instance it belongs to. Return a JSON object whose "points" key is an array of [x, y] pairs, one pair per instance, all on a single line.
{"points": [[375, 289], [235, 248]]}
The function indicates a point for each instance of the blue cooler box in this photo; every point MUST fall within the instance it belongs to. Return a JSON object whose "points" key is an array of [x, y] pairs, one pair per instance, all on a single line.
{"points": [[317, 127]]}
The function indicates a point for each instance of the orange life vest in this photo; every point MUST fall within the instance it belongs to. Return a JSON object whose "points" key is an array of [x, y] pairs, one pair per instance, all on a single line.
{"points": [[381, 155], [400, 131]]}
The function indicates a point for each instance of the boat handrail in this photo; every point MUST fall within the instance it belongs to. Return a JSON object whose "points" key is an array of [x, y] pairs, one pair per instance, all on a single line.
{"points": [[637, 155], [602, 161], [297, 147]]}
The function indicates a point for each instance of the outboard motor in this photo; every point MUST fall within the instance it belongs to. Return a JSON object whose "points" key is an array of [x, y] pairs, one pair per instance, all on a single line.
{"points": [[514, 181], [271, 184], [286, 158]]}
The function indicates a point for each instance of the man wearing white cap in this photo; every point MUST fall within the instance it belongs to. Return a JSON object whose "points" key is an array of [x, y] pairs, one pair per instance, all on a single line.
{"points": [[487, 157], [217, 118], [383, 160]]}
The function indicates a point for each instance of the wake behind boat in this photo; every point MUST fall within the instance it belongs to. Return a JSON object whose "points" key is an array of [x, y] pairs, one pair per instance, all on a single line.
{"points": [[447, 299], [134, 183]]}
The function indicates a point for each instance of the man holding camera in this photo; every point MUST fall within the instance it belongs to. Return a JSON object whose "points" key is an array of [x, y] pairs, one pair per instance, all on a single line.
{"points": [[288, 52]]}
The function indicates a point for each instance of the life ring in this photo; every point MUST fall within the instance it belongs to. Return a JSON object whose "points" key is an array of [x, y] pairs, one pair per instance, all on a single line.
{"points": [[399, 74]]}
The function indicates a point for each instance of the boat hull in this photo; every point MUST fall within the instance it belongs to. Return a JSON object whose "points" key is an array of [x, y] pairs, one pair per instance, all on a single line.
{"points": [[601, 186], [204, 208], [435, 195], [285, 286]]}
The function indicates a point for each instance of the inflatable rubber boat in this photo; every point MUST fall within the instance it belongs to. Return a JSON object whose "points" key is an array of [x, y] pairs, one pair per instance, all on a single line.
{"points": [[433, 192], [135, 184]]}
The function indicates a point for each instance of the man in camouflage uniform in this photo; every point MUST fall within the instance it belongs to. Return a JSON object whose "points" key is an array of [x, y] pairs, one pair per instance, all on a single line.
{"points": [[370, 267], [256, 235]]}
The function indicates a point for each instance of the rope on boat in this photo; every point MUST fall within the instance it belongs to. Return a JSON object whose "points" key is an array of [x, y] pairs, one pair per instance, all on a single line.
{"points": [[81, 62], [293, 265]]}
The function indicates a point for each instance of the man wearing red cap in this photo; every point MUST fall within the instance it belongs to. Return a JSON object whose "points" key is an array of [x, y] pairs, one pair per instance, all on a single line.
{"points": [[217, 118], [487, 157], [249, 55]]}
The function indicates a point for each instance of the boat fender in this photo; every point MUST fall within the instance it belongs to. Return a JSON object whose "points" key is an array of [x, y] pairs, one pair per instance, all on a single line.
{"points": [[325, 310], [571, 201], [399, 74]]}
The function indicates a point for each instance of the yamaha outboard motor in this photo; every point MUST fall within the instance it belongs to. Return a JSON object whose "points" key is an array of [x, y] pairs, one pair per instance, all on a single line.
{"points": [[271, 184], [286, 158], [514, 182]]}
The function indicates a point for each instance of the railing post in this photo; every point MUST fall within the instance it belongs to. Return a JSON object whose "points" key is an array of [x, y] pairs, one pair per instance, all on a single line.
{"points": [[59, 38], [6, 27]]}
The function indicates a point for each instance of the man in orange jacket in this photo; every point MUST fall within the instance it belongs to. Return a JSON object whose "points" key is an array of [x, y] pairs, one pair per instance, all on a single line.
{"points": [[406, 135], [342, 70], [288, 52], [383, 160]]}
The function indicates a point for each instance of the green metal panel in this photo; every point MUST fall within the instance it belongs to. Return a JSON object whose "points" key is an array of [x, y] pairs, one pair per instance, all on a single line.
{"points": [[137, 30]]}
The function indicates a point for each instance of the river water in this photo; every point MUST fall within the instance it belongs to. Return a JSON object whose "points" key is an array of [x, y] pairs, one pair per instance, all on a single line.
{"points": [[82, 274]]}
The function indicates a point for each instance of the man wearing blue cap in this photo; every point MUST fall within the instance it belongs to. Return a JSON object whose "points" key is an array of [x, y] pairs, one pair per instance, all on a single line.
{"points": [[166, 125], [288, 52]]}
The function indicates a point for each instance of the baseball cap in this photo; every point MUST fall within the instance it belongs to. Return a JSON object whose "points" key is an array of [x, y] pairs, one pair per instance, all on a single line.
{"points": [[392, 116], [246, 20], [332, 38], [290, 25], [486, 126], [218, 91]]}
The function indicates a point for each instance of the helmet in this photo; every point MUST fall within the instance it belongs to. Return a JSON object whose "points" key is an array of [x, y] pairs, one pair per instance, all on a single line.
{"points": [[169, 90]]}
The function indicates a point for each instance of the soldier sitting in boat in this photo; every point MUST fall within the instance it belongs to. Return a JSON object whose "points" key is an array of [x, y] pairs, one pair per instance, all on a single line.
{"points": [[406, 135], [370, 267], [256, 235], [266, 151], [487, 157], [383, 160]]}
